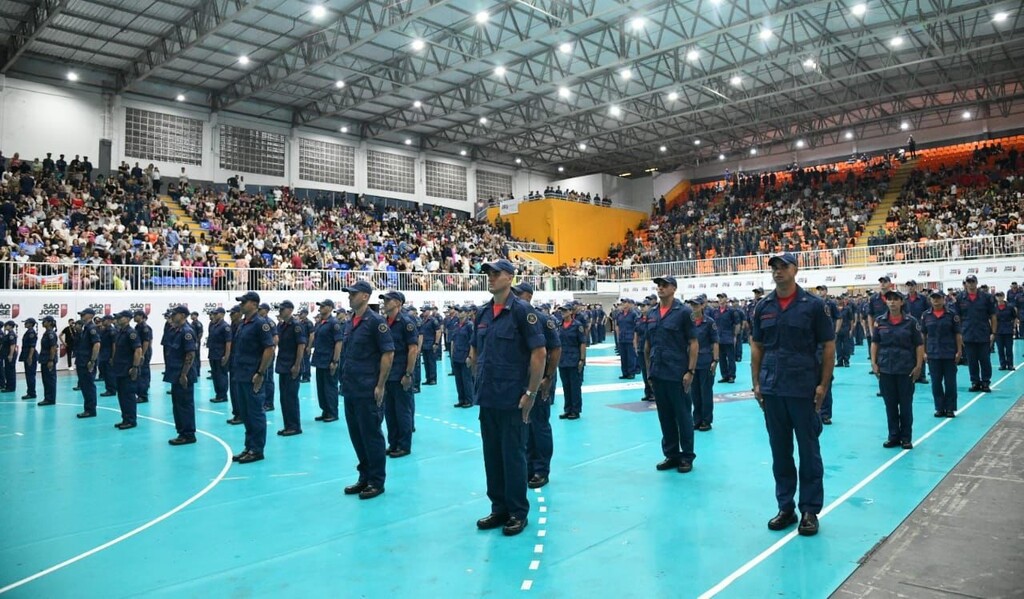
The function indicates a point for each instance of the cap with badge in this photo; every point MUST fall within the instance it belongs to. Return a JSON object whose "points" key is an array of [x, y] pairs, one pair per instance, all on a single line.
{"points": [[264, 306], [30, 321], [698, 300], [884, 279], [285, 304], [248, 296], [217, 310], [971, 279], [327, 302], [935, 293], [759, 290], [49, 318], [893, 293], [359, 287], [124, 314], [235, 309], [666, 281], [87, 311], [180, 310], [522, 288], [783, 258], [498, 266], [393, 295], [139, 313]]}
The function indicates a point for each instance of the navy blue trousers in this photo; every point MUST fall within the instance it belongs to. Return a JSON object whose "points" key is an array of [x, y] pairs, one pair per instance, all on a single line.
{"points": [[126, 398], [786, 417], [142, 382], [898, 393], [943, 372], [220, 379], [727, 353], [540, 443], [979, 361], [398, 415], [429, 363], [269, 389], [463, 382], [364, 418], [183, 402], [675, 414], [87, 385], [1004, 349], [251, 405], [49, 382], [572, 389], [627, 358], [702, 391], [30, 376], [289, 389], [504, 434], [327, 391]]}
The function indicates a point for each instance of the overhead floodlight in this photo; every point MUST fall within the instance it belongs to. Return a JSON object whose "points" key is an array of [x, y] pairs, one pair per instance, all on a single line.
{"points": [[318, 11], [673, 96], [615, 110], [499, 71], [563, 92], [696, 142], [519, 160], [483, 120], [721, 156], [418, 44], [637, 24], [582, 146], [626, 74], [561, 169], [736, 80], [693, 55], [800, 143], [565, 48], [896, 41], [72, 76], [462, 152], [417, 104], [408, 141], [848, 135], [180, 97], [858, 10], [904, 126], [765, 35], [343, 129], [339, 84], [753, 151], [663, 149], [243, 60], [810, 64], [1001, 17], [482, 17], [966, 114]]}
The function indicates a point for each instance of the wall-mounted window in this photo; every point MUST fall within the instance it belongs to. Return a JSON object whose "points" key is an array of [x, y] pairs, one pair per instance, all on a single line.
{"points": [[252, 151], [163, 137], [326, 162], [446, 180], [492, 186], [390, 172]]}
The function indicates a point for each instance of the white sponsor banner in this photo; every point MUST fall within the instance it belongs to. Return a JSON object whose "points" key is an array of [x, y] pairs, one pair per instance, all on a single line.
{"points": [[508, 207]]}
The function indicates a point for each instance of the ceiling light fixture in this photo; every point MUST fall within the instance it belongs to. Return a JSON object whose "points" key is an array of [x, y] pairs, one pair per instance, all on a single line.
{"points": [[565, 47], [72, 76], [753, 151], [896, 42], [482, 17], [673, 96], [736, 80], [967, 114], [765, 35], [692, 55], [563, 92], [318, 11], [417, 104], [582, 146], [339, 84], [343, 129], [904, 126], [180, 97], [799, 143], [408, 141], [519, 160], [663, 149], [848, 135], [615, 110], [858, 10], [561, 169], [721, 156], [626, 74], [1001, 17], [418, 44], [696, 142], [462, 152], [637, 24], [499, 71], [810, 64], [243, 60], [483, 120]]}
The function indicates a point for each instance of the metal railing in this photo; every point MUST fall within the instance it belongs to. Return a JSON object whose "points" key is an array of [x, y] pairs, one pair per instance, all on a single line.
{"points": [[535, 248], [919, 251]]}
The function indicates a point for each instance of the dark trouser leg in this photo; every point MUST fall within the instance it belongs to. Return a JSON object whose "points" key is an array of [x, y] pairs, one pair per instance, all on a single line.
{"points": [[898, 392], [676, 419], [944, 390], [624, 358], [391, 412], [540, 442], [183, 398], [367, 438], [503, 433], [430, 365], [779, 423], [643, 372], [30, 376], [237, 402], [1004, 349], [142, 382], [255, 419], [220, 379], [109, 380], [459, 368], [807, 428], [87, 385], [126, 398], [49, 382], [826, 404], [351, 420], [304, 375], [327, 392], [979, 361], [572, 381], [703, 398], [269, 389], [289, 388], [727, 353]]}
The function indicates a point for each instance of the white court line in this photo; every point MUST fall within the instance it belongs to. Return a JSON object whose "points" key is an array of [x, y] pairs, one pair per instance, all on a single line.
{"points": [[606, 387], [147, 525], [728, 580], [288, 474]]}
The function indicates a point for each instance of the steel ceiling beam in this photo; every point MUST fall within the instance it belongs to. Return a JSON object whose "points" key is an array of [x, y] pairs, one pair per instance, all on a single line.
{"points": [[40, 16]]}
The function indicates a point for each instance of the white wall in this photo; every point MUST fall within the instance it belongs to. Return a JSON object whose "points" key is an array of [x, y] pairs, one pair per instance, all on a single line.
{"points": [[36, 118], [624, 192]]}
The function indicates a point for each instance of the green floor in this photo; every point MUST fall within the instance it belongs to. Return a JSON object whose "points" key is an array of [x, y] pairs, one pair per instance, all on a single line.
{"points": [[89, 511]]}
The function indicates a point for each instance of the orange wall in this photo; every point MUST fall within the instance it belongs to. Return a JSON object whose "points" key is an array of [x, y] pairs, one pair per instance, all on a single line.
{"points": [[578, 230]]}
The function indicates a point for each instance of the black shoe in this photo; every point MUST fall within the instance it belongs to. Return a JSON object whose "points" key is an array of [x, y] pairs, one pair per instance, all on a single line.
{"points": [[668, 464], [218, 400], [268, 408], [107, 394], [356, 488], [684, 467], [492, 521], [808, 525], [46, 403], [141, 400], [907, 445], [890, 443], [514, 526], [458, 405], [320, 418], [950, 414], [370, 492], [974, 388], [29, 396], [624, 377], [563, 416], [182, 440], [76, 388], [986, 389], [289, 432], [922, 381], [782, 520], [430, 382], [87, 415], [400, 453], [234, 421], [125, 426], [704, 427], [573, 417], [329, 419], [538, 481], [827, 420], [250, 457], [940, 413], [304, 381], [451, 374], [239, 456], [723, 380]]}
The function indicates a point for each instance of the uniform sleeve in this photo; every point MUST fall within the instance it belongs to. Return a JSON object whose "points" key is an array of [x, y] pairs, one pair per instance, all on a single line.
{"points": [[688, 328], [266, 334], [991, 306], [337, 331], [409, 334], [94, 336], [551, 337], [755, 324], [713, 333], [824, 328], [133, 340], [915, 333], [957, 328], [529, 325], [188, 340], [301, 337], [385, 341], [876, 337]]}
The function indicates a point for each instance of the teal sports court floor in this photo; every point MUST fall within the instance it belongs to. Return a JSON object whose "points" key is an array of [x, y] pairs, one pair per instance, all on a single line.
{"points": [[89, 511]]}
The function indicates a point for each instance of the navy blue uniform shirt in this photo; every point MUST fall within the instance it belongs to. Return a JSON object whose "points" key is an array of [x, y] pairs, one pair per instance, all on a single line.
{"points": [[220, 336], [48, 343], [325, 334], [707, 336], [363, 347], [461, 338], [975, 316], [790, 337], [251, 339], [571, 337], [503, 346], [725, 320], [290, 335], [897, 344], [403, 335], [669, 337], [940, 334], [126, 341], [87, 337], [145, 334], [28, 341], [625, 324], [1004, 319], [178, 343]]}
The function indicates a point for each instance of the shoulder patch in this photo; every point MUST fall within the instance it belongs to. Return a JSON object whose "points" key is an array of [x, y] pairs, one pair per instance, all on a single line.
{"points": [[337, 326], [531, 318], [714, 327], [132, 336], [266, 327], [188, 336], [551, 324], [410, 327], [580, 328], [693, 317], [383, 327]]}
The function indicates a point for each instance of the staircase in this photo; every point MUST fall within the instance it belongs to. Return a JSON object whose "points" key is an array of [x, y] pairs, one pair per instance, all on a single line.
{"points": [[222, 253], [888, 201]]}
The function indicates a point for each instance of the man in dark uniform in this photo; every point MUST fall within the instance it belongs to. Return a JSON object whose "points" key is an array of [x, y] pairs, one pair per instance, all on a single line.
{"points": [[8, 357], [671, 353], [833, 313], [29, 357], [180, 349], [146, 338], [237, 407], [640, 339], [540, 442], [291, 346], [943, 345], [460, 341], [48, 350], [326, 342], [844, 340], [87, 348], [703, 388], [451, 320], [572, 361], [398, 408], [307, 328], [369, 351], [626, 321], [108, 332], [744, 333], [270, 389], [431, 330], [197, 328], [1006, 320], [125, 358], [977, 311], [252, 354], [218, 345], [1015, 297], [728, 321], [876, 304], [417, 372], [790, 383], [916, 304], [507, 357]]}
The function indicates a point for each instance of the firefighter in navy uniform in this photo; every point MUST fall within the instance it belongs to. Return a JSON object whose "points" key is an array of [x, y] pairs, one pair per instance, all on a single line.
{"points": [[916, 304], [431, 330], [728, 322], [671, 353], [706, 329], [270, 389], [326, 342], [87, 348], [29, 357], [977, 311], [508, 357], [218, 346], [790, 383], [180, 370], [197, 328], [897, 356], [8, 357], [626, 320], [108, 332], [252, 354], [125, 358], [237, 407], [450, 322], [291, 346], [461, 337], [572, 360], [943, 346], [641, 339], [1006, 320], [146, 338], [398, 408], [48, 354], [844, 329], [369, 351], [307, 328]]}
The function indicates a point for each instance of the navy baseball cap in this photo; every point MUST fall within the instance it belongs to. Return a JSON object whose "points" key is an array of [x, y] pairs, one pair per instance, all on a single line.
{"points": [[217, 310], [523, 287], [784, 257], [911, 282], [10, 323], [499, 265], [699, 300], [393, 295], [49, 318], [141, 313], [894, 293], [726, 295], [303, 310], [326, 302], [30, 321], [124, 314], [285, 304], [105, 317], [884, 279], [248, 296], [359, 287], [179, 310], [759, 290], [264, 306], [936, 293], [971, 279], [666, 281], [89, 311], [235, 309]]}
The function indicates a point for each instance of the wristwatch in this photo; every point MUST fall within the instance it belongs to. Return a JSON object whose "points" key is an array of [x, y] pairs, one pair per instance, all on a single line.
{"points": [[530, 393], [691, 371]]}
